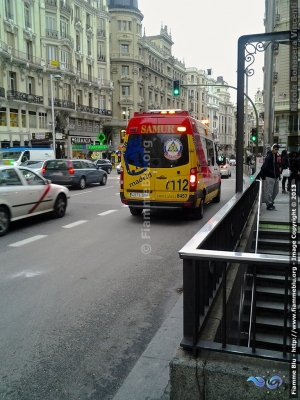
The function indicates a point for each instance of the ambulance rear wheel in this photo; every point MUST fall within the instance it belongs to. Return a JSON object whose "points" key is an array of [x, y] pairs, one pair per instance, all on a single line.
{"points": [[135, 211], [198, 212]]}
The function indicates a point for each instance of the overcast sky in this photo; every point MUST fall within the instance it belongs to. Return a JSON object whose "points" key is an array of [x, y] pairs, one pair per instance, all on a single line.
{"points": [[205, 33]]}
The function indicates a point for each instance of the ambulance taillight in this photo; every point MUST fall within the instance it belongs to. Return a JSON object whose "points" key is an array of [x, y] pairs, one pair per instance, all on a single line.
{"points": [[193, 179]]}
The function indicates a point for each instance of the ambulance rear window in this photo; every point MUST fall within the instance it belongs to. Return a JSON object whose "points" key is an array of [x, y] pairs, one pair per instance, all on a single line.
{"points": [[157, 150]]}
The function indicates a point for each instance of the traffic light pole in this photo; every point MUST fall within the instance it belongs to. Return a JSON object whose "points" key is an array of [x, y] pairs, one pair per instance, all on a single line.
{"points": [[233, 87]]}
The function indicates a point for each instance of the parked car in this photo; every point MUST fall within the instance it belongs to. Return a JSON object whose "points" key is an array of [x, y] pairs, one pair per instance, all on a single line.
{"points": [[36, 166], [75, 172], [232, 161], [24, 193], [225, 168], [104, 164], [119, 168]]}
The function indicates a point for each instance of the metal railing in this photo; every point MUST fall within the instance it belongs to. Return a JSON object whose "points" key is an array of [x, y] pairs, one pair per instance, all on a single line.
{"points": [[207, 258], [31, 98], [92, 110], [2, 92], [62, 103]]}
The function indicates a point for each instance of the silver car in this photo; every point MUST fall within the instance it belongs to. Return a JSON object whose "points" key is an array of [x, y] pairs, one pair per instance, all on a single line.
{"points": [[24, 193]]}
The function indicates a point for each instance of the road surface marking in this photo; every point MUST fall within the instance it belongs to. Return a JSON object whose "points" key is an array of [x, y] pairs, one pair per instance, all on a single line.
{"points": [[79, 194], [29, 240], [75, 224], [107, 187], [107, 212]]}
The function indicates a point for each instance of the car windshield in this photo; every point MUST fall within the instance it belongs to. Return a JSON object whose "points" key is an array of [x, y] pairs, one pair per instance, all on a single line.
{"points": [[32, 164]]}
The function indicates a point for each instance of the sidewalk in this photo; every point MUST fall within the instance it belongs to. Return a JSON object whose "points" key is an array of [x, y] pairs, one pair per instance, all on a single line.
{"points": [[149, 378]]}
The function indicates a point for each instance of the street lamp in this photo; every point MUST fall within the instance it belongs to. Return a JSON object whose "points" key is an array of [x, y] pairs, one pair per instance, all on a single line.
{"points": [[56, 76]]}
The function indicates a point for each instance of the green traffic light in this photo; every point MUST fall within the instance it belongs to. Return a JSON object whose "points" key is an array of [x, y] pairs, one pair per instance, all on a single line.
{"points": [[176, 91]]}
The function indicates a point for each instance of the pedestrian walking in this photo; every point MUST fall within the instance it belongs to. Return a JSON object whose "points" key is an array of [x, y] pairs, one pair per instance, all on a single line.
{"points": [[284, 166], [270, 173]]}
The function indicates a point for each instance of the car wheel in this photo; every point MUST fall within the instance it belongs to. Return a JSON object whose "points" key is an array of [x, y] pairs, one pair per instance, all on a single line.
{"points": [[199, 211], [4, 220], [60, 206], [108, 170], [135, 211], [82, 183], [218, 197], [103, 180]]}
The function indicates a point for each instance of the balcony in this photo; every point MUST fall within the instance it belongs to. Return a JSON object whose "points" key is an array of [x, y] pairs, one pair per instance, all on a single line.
{"points": [[28, 25], [51, 34], [30, 98], [100, 33], [52, 3], [88, 27], [101, 57], [62, 103], [275, 77], [2, 92], [9, 16], [92, 110], [65, 8], [65, 35]]}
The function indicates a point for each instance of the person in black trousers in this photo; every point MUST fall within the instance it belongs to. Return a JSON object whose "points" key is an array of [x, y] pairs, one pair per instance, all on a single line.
{"points": [[285, 164]]}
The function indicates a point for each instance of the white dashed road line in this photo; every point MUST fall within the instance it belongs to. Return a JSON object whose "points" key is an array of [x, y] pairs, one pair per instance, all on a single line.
{"points": [[29, 240], [107, 212], [75, 224]]}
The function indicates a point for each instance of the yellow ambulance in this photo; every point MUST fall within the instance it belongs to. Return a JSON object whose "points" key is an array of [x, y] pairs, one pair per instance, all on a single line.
{"points": [[169, 161]]}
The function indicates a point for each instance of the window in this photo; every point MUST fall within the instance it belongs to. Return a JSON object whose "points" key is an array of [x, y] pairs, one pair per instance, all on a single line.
{"points": [[27, 18], [9, 9], [293, 124], [28, 47], [64, 27], [30, 81], [12, 81], [32, 119], [23, 118], [89, 47], [51, 53], [129, 25], [90, 100], [101, 75], [119, 25], [138, 29], [50, 22], [9, 177], [102, 102], [3, 117], [125, 70], [64, 57], [43, 120], [66, 92], [125, 90], [77, 12], [100, 46], [13, 114], [124, 48]]}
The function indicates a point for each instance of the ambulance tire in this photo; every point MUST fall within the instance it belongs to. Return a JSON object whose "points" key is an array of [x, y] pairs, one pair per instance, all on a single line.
{"points": [[218, 197], [199, 212], [135, 211]]}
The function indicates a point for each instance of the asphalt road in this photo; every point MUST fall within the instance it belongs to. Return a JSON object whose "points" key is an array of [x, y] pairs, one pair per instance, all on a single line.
{"points": [[79, 297]]}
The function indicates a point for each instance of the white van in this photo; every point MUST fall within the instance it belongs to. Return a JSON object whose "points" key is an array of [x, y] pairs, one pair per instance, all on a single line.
{"points": [[17, 155]]}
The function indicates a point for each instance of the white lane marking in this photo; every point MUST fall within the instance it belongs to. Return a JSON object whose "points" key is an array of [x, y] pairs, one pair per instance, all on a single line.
{"points": [[26, 274], [107, 212], [29, 240], [74, 224], [79, 194], [106, 187]]}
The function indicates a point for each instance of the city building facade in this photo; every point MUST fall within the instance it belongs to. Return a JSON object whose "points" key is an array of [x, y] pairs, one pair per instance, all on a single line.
{"points": [[286, 126], [91, 64]]}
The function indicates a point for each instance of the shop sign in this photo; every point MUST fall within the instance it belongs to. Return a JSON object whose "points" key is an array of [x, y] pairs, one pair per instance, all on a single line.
{"points": [[97, 147], [78, 140], [78, 147], [40, 135]]}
